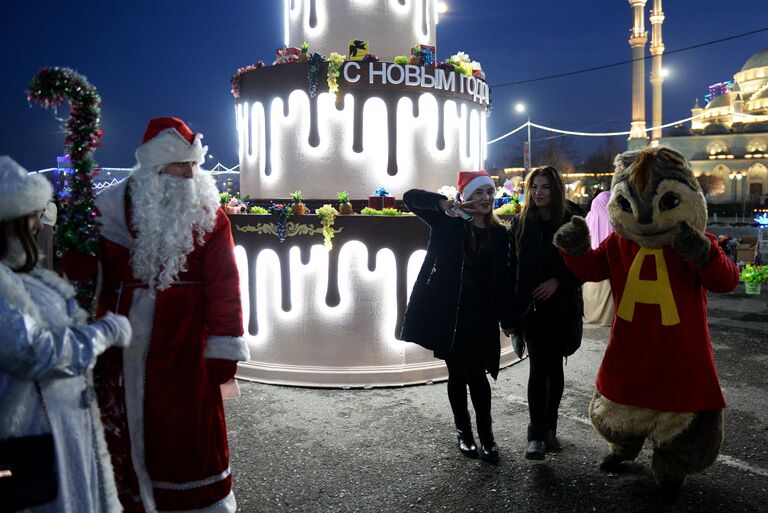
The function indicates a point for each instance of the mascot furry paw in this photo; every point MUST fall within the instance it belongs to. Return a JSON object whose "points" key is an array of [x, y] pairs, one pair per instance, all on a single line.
{"points": [[657, 380]]}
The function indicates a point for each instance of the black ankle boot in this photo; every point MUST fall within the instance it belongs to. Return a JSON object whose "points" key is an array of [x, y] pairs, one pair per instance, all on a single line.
{"points": [[535, 450], [466, 442], [489, 451], [551, 443]]}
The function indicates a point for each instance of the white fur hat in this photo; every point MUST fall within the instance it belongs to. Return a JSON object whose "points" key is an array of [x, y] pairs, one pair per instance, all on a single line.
{"points": [[21, 193], [168, 140]]}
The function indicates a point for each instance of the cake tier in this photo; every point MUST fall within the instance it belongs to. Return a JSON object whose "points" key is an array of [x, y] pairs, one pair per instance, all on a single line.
{"points": [[315, 317], [389, 126], [390, 26]]}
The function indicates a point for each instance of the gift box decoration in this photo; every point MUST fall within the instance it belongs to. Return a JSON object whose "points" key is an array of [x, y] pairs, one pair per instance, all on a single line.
{"points": [[287, 54], [358, 49], [381, 202], [381, 199]]}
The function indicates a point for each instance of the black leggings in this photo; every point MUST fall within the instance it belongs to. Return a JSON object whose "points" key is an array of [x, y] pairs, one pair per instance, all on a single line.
{"points": [[463, 372], [545, 389]]}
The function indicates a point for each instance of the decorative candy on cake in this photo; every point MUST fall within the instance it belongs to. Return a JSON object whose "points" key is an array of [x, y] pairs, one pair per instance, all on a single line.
{"points": [[297, 207], [345, 207], [287, 55]]}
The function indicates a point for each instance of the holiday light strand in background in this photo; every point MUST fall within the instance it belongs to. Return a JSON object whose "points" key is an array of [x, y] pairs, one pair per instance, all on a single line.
{"points": [[51, 87], [587, 134]]}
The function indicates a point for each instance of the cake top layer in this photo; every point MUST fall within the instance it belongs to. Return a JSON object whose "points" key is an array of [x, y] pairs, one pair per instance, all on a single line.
{"points": [[391, 27]]}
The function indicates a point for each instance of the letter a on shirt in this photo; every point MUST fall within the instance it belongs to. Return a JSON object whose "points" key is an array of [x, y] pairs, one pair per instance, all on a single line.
{"points": [[651, 292]]}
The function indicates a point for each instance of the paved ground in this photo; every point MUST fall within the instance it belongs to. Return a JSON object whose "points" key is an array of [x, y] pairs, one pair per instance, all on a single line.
{"points": [[392, 450]]}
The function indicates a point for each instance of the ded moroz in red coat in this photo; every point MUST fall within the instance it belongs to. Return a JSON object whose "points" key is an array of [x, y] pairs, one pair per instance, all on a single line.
{"points": [[168, 436], [659, 355]]}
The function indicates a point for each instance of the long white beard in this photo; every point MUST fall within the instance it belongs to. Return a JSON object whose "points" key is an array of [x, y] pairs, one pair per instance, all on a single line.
{"points": [[169, 214], [16, 257]]}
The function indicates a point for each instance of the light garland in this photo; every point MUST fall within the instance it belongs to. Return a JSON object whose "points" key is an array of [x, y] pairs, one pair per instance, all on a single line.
{"points": [[52, 87], [608, 134]]}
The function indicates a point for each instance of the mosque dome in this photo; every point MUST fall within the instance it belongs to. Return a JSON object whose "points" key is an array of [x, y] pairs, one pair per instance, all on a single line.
{"points": [[724, 100], [759, 60]]}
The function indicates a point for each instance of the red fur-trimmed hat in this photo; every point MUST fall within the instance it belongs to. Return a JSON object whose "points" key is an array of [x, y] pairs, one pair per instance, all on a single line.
{"points": [[469, 181], [157, 125], [168, 140]]}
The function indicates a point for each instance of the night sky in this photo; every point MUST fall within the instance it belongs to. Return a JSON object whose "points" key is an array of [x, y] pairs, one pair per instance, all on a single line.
{"points": [[150, 59]]}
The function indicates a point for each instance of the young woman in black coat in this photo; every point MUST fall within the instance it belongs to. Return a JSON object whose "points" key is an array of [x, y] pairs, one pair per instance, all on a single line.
{"points": [[459, 299], [547, 302]]}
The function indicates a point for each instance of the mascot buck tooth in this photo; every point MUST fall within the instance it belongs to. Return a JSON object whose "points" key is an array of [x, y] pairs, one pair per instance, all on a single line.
{"points": [[657, 379]]}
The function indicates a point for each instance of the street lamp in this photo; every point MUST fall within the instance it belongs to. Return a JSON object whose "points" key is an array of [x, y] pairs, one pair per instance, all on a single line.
{"points": [[520, 108]]}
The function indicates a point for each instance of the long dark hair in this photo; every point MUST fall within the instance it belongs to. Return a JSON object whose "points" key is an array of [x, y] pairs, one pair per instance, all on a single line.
{"points": [[20, 226], [556, 207], [490, 221]]}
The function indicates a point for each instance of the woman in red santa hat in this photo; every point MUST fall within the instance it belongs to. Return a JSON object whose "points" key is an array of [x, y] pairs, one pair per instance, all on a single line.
{"points": [[458, 299]]}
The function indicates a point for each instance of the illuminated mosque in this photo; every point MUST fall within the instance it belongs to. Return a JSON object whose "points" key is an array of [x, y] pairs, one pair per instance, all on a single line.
{"points": [[727, 141]]}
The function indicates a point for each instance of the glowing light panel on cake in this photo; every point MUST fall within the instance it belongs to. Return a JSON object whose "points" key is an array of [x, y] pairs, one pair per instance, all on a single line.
{"points": [[367, 309], [386, 25], [294, 163]]}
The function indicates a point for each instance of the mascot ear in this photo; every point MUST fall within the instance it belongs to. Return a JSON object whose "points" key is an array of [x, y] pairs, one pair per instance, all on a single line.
{"points": [[573, 237], [693, 245]]}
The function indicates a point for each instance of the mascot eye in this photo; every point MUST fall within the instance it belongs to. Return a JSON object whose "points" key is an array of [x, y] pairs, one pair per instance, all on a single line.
{"points": [[624, 204], [669, 201]]}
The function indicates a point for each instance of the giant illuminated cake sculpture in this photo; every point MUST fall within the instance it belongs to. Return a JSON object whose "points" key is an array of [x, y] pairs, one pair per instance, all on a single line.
{"points": [[396, 120]]}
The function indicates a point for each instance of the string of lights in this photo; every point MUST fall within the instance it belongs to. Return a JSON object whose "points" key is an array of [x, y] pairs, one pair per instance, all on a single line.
{"points": [[607, 134], [587, 134]]}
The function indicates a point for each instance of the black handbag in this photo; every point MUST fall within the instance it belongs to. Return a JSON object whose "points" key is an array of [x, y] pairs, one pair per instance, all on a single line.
{"points": [[517, 336], [574, 322], [27, 471], [517, 333]]}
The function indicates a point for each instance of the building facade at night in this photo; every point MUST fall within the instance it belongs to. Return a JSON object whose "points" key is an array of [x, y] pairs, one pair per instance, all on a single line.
{"points": [[727, 142]]}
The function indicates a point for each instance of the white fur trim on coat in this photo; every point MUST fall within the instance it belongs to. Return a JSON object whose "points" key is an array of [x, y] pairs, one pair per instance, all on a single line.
{"points": [[142, 317], [112, 223], [227, 348], [169, 146], [12, 289]]}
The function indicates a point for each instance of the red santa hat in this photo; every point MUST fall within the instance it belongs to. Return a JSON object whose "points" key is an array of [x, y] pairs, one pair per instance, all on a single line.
{"points": [[469, 181], [168, 140], [21, 192]]}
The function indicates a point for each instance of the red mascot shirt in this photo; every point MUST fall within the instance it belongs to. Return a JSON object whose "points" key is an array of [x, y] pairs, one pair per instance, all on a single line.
{"points": [[659, 355]]}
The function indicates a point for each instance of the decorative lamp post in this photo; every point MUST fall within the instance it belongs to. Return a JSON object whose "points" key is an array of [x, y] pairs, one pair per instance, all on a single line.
{"points": [[527, 155]]}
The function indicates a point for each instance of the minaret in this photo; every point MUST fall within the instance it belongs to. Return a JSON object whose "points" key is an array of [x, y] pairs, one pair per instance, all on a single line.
{"points": [[697, 123], [657, 77], [637, 40]]}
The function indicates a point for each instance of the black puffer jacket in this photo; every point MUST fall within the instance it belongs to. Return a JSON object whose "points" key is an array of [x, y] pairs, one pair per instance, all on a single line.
{"points": [[432, 312], [561, 313]]}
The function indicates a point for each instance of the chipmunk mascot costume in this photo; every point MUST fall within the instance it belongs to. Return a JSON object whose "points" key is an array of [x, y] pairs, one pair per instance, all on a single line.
{"points": [[657, 379]]}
